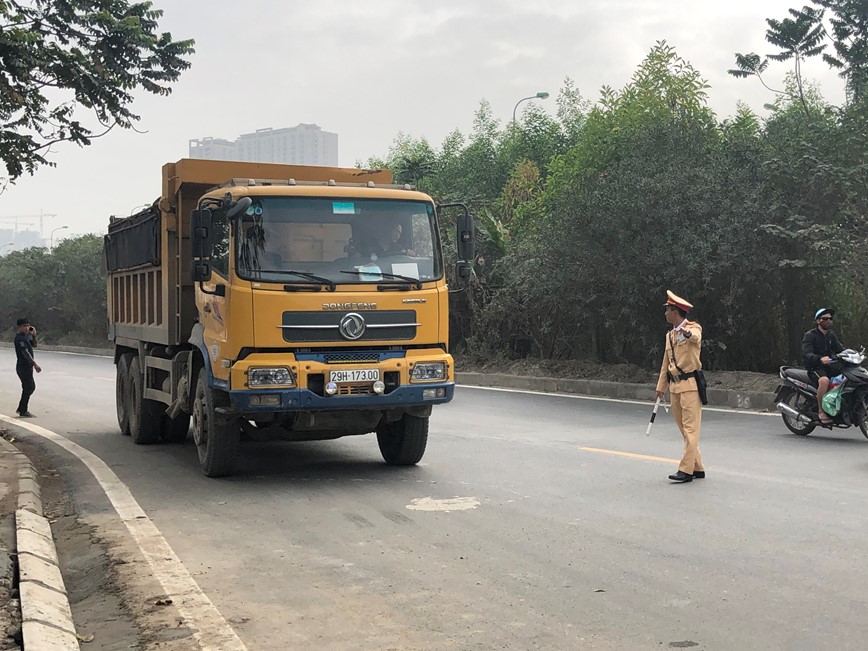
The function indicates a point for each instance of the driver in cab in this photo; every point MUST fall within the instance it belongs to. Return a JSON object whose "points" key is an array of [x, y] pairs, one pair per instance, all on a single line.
{"points": [[388, 240]]}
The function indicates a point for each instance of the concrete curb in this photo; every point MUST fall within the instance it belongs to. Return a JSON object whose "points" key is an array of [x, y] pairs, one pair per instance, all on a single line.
{"points": [[761, 400], [46, 618]]}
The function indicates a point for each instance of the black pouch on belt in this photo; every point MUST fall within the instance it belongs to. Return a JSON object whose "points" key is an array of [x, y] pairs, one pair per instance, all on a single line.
{"points": [[701, 385]]}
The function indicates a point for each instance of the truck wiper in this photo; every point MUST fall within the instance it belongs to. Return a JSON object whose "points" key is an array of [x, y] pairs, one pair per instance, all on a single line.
{"points": [[289, 272], [406, 279]]}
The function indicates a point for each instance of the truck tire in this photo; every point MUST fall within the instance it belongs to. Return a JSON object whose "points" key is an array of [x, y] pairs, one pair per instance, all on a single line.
{"points": [[175, 430], [403, 442], [216, 436], [145, 415], [122, 392]]}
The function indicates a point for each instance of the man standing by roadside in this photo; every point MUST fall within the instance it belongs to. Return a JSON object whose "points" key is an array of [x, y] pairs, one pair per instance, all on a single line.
{"points": [[25, 342], [678, 375]]}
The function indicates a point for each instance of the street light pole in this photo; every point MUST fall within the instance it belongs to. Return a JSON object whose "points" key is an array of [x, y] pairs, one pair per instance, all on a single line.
{"points": [[51, 241], [540, 95]]}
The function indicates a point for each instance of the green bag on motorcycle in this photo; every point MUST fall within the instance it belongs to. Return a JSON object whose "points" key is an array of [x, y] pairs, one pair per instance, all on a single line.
{"points": [[832, 401]]}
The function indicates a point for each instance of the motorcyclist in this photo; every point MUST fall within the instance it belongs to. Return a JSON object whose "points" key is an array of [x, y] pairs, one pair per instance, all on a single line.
{"points": [[818, 345]]}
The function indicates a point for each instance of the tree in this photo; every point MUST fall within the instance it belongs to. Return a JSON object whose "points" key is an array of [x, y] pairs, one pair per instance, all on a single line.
{"points": [[805, 35], [59, 59], [798, 38], [849, 34], [63, 291]]}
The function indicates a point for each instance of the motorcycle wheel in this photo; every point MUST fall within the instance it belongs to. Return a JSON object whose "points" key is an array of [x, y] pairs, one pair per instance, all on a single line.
{"points": [[862, 415], [798, 402]]}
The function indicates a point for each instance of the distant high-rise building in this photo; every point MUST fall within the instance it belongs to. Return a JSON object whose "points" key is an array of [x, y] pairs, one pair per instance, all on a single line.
{"points": [[213, 149], [306, 144]]}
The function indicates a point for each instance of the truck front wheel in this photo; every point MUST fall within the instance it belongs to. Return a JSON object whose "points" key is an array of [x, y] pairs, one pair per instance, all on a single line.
{"points": [[145, 415], [403, 442], [216, 435], [122, 392]]}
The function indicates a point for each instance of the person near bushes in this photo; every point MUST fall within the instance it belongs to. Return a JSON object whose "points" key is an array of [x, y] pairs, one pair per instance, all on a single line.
{"points": [[678, 376], [25, 364]]}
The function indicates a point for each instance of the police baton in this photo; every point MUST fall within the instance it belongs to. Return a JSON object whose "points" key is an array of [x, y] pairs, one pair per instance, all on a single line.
{"points": [[654, 415]]}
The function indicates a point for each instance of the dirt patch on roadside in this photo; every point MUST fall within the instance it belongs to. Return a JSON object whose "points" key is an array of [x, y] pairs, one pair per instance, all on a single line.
{"points": [[116, 603], [627, 373], [10, 606], [97, 607]]}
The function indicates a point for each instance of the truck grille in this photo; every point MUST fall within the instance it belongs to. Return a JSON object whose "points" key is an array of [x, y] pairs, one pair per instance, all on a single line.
{"points": [[355, 390], [385, 325], [351, 358]]}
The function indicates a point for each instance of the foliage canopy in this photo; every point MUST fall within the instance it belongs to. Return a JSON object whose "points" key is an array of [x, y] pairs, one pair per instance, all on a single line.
{"points": [[60, 59]]}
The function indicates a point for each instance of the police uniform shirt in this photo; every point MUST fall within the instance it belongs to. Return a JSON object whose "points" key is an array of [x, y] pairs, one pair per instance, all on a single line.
{"points": [[686, 354]]}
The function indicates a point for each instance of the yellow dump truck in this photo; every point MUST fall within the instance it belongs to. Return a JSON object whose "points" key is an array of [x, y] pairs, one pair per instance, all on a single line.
{"points": [[278, 301]]}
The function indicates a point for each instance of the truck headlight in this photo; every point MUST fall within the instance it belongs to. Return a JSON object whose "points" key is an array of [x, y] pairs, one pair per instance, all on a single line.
{"points": [[428, 372], [265, 376]]}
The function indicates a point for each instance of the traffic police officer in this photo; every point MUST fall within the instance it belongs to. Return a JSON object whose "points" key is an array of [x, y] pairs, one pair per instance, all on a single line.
{"points": [[680, 360]]}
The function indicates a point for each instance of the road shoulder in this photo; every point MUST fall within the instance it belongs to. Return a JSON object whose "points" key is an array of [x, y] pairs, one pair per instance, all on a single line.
{"points": [[46, 617]]}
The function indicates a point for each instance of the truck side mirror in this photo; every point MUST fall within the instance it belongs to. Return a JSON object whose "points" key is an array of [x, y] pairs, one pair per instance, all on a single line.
{"points": [[466, 245], [200, 233]]}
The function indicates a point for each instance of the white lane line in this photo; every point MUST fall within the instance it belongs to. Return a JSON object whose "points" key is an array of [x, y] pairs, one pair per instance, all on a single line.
{"points": [[212, 632], [67, 376], [647, 403], [722, 410], [66, 352], [447, 505]]}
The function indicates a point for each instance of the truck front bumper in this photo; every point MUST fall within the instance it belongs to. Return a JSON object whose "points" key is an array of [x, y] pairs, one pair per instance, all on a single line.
{"points": [[286, 400]]}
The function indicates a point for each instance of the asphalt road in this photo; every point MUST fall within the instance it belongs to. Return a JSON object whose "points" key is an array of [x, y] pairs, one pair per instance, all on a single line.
{"points": [[521, 529]]}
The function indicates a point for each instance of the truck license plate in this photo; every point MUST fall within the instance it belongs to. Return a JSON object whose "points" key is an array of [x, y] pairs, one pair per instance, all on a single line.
{"points": [[356, 375]]}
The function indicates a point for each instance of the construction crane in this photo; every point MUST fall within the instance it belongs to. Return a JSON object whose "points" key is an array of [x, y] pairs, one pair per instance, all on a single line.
{"points": [[17, 220]]}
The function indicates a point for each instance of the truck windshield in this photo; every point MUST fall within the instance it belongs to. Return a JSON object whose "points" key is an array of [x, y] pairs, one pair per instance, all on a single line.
{"points": [[278, 237]]}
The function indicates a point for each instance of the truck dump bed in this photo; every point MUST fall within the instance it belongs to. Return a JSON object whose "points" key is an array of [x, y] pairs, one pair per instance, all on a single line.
{"points": [[147, 255]]}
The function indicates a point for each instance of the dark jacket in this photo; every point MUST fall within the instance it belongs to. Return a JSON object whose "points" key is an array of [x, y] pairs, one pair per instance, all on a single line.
{"points": [[24, 344], [816, 345]]}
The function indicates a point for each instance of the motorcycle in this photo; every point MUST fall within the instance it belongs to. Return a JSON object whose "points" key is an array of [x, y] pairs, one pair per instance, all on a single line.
{"points": [[796, 396]]}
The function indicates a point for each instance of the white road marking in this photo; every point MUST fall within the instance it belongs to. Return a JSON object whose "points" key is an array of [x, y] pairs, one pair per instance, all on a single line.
{"points": [[66, 352], [722, 410], [647, 403], [212, 632], [447, 505], [67, 376]]}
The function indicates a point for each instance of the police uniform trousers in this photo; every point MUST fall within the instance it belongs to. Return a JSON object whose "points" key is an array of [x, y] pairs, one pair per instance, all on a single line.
{"points": [[687, 412]]}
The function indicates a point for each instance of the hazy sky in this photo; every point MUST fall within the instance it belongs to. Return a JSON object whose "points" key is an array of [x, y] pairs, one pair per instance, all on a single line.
{"points": [[368, 70]]}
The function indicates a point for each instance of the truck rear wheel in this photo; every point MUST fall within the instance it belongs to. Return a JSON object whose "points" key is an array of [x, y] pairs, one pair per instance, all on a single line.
{"points": [[403, 442], [145, 415], [175, 430], [216, 435], [122, 392]]}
